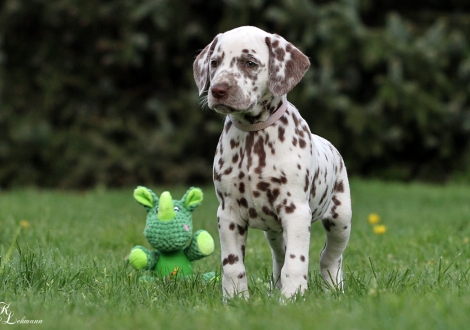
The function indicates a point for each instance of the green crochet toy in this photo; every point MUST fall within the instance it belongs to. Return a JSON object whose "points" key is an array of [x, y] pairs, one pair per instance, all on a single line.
{"points": [[169, 230]]}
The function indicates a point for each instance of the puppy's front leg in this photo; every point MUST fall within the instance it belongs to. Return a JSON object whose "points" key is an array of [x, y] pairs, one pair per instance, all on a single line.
{"points": [[296, 233], [232, 242]]}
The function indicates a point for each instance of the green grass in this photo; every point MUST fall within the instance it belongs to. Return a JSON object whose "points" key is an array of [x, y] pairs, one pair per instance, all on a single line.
{"points": [[68, 268]]}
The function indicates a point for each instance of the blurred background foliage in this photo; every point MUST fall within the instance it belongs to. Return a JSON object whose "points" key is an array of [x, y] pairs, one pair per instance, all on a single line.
{"points": [[101, 92]]}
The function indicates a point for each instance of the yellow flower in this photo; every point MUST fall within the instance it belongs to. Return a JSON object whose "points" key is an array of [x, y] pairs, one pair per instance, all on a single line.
{"points": [[374, 218], [24, 224], [380, 229]]}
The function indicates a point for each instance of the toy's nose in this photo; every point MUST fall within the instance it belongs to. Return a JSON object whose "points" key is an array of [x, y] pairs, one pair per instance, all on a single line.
{"points": [[166, 210]]}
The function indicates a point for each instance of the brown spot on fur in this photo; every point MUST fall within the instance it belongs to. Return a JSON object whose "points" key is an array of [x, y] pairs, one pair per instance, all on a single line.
{"points": [[231, 259], [228, 126], [291, 208], [281, 131], [280, 180], [235, 158], [284, 120], [221, 196], [241, 188], [273, 195], [339, 186], [233, 62], [267, 211], [327, 224], [283, 178], [252, 212], [280, 53], [216, 176], [307, 131], [250, 139], [234, 144], [258, 149], [263, 186], [323, 196], [317, 174], [241, 230], [336, 201], [307, 181], [296, 121], [243, 202]]}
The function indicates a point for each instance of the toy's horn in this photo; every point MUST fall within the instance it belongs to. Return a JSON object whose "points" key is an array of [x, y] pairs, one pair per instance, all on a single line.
{"points": [[166, 211]]}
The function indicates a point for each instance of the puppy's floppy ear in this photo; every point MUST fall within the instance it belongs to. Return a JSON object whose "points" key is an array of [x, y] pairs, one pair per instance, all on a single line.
{"points": [[201, 65], [287, 65]]}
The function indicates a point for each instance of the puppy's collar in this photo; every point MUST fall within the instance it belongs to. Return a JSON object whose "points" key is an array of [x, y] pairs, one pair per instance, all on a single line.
{"points": [[264, 124]]}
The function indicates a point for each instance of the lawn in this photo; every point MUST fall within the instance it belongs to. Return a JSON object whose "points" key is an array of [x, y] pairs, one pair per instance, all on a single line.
{"points": [[68, 266]]}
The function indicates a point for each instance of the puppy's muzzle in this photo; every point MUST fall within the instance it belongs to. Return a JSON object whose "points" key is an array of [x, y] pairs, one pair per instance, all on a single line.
{"points": [[219, 91]]}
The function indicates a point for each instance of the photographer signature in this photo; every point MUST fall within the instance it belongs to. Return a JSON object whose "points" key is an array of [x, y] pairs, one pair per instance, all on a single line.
{"points": [[6, 316]]}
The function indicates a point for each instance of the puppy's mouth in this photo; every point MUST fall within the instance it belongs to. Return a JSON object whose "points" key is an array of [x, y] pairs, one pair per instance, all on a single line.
{"points": [[224, 109], [227, 110]]}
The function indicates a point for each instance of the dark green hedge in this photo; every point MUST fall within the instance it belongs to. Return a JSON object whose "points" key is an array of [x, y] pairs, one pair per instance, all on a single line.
{"points": [[101, 92]]}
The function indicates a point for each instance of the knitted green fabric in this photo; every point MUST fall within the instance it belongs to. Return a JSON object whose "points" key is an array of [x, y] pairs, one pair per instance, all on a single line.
{"points": [[169, 230], [201, 245]]}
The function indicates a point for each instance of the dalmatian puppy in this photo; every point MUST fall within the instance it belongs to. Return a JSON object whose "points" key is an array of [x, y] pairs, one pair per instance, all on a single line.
{"points": [[270, 172]]}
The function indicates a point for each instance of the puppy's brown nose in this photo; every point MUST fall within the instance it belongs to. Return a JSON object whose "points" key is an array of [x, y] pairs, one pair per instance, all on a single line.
{"points": [[219, 90]]}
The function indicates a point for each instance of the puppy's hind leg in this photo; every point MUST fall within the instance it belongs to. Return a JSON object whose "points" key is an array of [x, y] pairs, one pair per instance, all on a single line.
{"points": [[278, 251], [337, 225]]}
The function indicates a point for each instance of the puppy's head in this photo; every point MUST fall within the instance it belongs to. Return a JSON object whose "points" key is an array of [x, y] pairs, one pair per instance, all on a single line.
{"points": [[246, 65]]}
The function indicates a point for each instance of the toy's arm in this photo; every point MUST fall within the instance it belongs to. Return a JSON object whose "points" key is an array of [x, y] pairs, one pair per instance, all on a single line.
{"points": [[143, 258], [202, 244]]}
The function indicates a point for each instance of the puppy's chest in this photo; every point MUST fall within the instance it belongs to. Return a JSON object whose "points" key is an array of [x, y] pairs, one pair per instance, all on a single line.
{"points": [[255, 172]]}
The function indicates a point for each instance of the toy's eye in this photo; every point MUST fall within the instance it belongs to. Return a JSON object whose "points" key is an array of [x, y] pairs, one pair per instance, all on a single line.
{"points": [[176, 209], [156, 210]]}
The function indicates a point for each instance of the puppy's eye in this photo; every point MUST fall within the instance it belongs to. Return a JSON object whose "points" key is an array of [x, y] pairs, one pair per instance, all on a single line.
{"points": [[250, 64], [214, 63]]}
